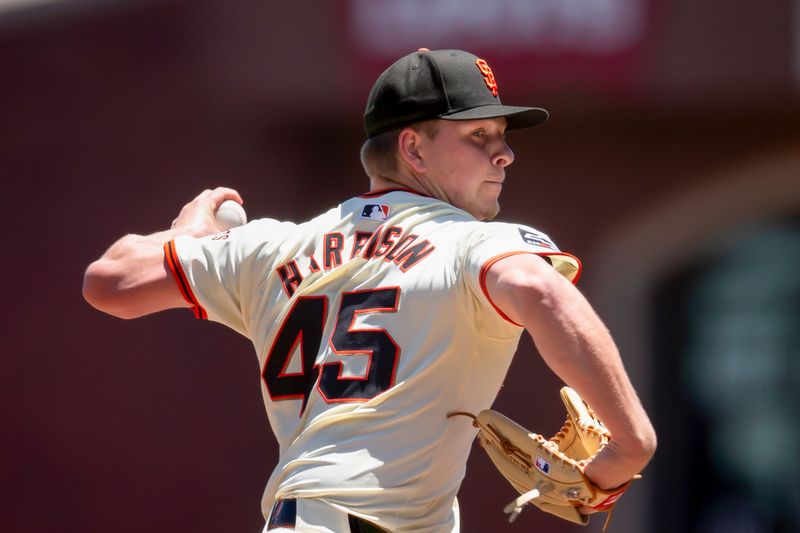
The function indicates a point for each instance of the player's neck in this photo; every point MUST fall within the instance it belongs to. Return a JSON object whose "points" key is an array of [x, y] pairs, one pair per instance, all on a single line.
{"points": [[380, 183], [403, 178], [411, 182]]}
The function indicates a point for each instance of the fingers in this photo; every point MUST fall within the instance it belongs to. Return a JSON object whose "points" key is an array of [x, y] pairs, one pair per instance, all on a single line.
{"points": [[214, 197], [197, 217]]}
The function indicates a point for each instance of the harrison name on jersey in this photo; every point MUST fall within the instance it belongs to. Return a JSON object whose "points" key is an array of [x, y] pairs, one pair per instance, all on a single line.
{"points": [[384, 243]]}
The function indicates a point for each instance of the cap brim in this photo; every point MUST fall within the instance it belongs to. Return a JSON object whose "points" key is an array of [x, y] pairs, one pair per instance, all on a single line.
{"points": [[516, 117]]}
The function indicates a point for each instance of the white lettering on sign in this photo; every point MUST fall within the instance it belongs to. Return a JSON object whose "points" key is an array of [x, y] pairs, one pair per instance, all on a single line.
{"points": [[590, 27]]}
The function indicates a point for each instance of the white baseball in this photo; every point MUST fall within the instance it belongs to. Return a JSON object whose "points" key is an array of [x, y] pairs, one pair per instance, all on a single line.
{"points": [[229, 215]]}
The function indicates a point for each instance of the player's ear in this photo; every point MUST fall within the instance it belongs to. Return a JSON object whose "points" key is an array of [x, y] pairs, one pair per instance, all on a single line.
{"points": [[408, 144]]}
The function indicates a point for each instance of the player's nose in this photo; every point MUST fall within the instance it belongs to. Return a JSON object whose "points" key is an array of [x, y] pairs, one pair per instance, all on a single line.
{"points": [[503, 156]]}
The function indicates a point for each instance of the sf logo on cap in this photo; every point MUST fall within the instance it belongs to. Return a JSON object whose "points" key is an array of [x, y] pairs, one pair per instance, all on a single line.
{"points": [[488, 77]]}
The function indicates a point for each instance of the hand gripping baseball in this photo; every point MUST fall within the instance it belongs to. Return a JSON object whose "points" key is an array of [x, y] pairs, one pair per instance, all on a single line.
{"points": [[549, 473], [199, 217]]}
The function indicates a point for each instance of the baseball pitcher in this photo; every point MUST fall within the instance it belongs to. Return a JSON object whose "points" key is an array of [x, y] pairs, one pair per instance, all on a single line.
{"points": [[379, 321]]}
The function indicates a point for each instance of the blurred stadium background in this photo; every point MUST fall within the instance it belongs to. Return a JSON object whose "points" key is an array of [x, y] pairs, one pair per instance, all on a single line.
{"points": [[670, 165]]}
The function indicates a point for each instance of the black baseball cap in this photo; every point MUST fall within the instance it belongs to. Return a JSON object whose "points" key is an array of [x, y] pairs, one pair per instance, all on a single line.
{"points": [[445, 84]]}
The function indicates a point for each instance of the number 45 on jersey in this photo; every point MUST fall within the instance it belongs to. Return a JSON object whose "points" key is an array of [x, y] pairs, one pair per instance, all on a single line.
{"points": [[304, 325]]}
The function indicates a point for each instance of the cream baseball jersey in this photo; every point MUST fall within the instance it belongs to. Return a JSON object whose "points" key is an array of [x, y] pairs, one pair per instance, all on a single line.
{"points": [[371, 323]]}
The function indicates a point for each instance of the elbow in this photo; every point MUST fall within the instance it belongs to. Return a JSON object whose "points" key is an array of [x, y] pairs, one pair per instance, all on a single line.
{"points": [[650, 443], [643, 448], [101, 290], [93, 286]]}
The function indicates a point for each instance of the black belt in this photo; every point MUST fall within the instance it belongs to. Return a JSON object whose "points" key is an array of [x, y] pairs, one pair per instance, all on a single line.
{"points": [[284, 514]]}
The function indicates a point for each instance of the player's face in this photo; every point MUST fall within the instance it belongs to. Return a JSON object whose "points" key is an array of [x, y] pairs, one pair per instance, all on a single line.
{"points": [[465, 164]]}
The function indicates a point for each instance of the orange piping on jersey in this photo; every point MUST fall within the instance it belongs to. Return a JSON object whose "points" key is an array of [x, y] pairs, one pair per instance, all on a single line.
{"points": [[381, 192], [565, 254], [171, 255], [486, 266]]}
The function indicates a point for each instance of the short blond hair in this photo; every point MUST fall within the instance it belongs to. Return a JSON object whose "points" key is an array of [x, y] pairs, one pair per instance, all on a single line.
{"points": [[379, 153]]}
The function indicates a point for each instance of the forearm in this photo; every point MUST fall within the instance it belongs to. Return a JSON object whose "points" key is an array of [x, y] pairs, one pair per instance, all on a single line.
{"points": [[130, 279], [133, 248], [579, 349], [576, 345]]}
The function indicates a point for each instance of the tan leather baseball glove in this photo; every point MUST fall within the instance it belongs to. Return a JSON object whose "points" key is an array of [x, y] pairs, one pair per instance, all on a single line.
{"points": [[549, 472]]}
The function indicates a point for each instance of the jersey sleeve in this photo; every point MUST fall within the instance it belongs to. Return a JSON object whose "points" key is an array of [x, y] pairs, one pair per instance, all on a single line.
{"points": [[494, 241], [219, 274]]}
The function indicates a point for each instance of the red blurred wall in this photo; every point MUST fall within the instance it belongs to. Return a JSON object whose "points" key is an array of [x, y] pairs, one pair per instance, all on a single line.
{"points": [[114, 117]]}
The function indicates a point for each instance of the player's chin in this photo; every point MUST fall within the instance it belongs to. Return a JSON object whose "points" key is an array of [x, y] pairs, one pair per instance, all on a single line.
{"points": [[490, 212]]}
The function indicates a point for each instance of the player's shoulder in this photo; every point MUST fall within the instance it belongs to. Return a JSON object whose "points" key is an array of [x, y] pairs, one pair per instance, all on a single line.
{"points": [[511, 232], [266, 228], [257, 234]]}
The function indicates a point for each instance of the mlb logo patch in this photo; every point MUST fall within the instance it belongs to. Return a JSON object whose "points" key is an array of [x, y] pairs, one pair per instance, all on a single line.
{"points": [[542, 465], [535, 239], [375, 211]]}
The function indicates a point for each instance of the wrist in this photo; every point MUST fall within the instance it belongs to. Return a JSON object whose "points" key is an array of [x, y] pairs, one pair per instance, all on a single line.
{"points": [[162, 237], [613, 468]]}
